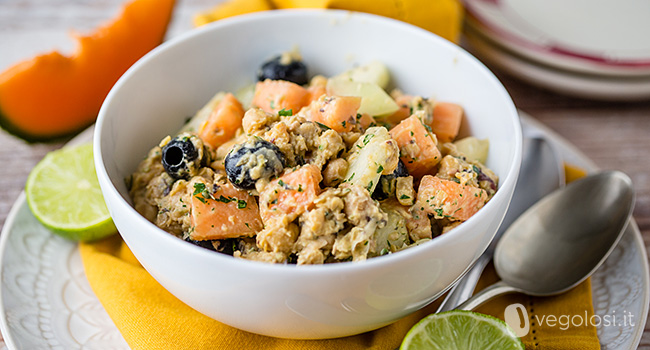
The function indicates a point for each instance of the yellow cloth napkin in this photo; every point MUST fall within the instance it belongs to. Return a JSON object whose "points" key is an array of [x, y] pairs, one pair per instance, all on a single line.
{"points": [[568, 326], [443, 17], [149, 317]]}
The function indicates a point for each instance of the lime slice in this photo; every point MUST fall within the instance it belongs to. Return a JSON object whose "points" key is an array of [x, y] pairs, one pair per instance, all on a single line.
{"points": [[63, 194], [464, 330]]}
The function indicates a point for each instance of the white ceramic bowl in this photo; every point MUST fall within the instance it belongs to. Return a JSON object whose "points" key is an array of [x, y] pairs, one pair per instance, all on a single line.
{"points": [[169, 84]]}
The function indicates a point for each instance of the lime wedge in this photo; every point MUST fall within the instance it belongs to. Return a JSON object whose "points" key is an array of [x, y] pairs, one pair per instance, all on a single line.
{"points": [[464, 330], [63, 194]]}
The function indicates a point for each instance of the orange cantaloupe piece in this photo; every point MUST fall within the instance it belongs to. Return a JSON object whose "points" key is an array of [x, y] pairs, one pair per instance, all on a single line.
{"points": [[449, 199], [275, 95], [223, 122], [417, 145], [292, 193], [229, 213], [52, 95], [404, 111], [365, 120], [316, 91], [336, 112], [446, 120]]}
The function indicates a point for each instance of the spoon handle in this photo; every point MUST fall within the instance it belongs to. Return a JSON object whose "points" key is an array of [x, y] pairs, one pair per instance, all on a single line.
{"points": [[465, 287], [486, 294]]}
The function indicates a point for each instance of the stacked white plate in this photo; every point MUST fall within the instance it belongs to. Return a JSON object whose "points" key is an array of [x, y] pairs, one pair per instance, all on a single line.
{"points": [[597, 49]]}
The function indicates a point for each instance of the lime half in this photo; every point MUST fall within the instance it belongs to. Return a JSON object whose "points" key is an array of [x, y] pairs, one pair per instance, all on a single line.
{"points": [[63, 194], [464, 330]]}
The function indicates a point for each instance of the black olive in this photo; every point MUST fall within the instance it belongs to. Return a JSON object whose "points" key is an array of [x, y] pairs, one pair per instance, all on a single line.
{"points": [[387, 183], [203, 244], [227, 246], [253, 160], [292, 259], [182, 156], [276, 69], [400, 171]]}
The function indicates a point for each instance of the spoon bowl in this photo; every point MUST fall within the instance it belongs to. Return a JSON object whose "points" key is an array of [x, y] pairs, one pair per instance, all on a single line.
{"points": [[566, 236], [562, 239]]}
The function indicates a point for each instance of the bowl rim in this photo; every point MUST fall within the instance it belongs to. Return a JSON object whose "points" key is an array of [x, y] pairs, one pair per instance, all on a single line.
{"points": [[509, 177]]}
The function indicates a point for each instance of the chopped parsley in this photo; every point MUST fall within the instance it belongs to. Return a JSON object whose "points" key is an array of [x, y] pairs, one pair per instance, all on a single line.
{"points": [[439, 212], [224, 199], [198, 188], [201, 192], [380, 169], [367, 138], [285, 112], [323, 126], [406, 197]]}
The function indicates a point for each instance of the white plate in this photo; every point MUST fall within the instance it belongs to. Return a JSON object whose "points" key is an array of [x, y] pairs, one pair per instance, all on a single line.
{"points": [[601, 37], [47, 303], [561, 81]]}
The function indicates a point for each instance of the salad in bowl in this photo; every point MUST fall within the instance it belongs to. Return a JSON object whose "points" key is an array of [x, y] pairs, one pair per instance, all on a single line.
{"points": [[313, 171]]}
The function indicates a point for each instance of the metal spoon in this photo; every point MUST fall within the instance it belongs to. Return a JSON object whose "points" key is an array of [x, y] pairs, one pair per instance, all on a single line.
{"points": [[563, 239], [541, 173]]}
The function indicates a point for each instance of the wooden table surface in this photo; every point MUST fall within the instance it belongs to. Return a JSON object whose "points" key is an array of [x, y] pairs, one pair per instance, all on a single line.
{"points": [[614, 135]]}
